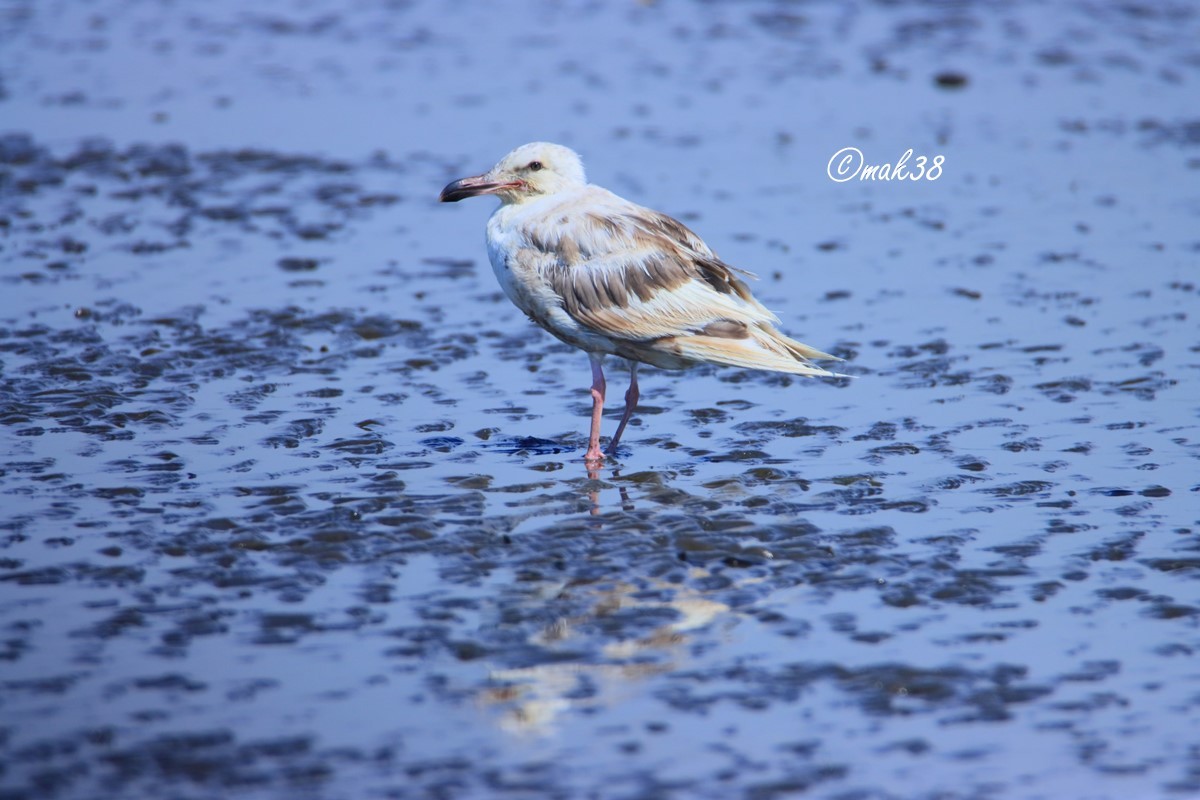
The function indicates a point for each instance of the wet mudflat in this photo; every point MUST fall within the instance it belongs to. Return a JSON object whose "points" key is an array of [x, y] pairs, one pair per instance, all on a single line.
{"points": [[293, 501]]}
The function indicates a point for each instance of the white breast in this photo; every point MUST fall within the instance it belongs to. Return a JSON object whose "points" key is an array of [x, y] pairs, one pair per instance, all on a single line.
{"points": [[519, 264]]}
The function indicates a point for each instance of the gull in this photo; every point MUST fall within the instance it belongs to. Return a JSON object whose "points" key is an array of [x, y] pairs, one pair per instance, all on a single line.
{"points": [[615, 278]]}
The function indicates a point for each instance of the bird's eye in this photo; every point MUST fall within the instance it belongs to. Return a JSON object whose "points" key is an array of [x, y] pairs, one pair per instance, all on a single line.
{"points": [[534, 166]]}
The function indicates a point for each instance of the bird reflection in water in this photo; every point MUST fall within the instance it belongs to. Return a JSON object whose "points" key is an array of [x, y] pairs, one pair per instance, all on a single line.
{"points": [[531, 699]]}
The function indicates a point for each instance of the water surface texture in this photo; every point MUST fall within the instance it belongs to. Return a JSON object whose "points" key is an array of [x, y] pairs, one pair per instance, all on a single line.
{"points": [[292, 500]]}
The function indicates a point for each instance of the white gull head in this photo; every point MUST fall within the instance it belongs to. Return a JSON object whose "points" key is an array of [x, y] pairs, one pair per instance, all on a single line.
{"points": [[532, 170]]}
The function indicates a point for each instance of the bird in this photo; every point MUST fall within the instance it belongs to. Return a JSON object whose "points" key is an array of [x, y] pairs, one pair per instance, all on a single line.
{"points": [[612, 277]]}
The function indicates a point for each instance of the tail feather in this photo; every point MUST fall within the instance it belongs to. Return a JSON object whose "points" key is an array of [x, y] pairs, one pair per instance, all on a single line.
{"points": [[765, 348], [801, 350]]}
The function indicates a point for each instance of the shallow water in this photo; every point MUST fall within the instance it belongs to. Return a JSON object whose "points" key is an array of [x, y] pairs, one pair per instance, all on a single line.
{"points": [[294, 501]]}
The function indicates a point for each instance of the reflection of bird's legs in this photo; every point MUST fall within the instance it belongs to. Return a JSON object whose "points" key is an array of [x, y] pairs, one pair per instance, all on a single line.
{"points": [[626, 503], [593, 473], [631, 398], [593, 451]]}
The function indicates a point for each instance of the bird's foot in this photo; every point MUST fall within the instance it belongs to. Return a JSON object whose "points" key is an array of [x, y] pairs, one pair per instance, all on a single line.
{"points": [[594, 456]]}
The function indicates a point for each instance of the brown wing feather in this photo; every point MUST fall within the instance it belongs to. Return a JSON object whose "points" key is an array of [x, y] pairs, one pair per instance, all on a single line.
{"points": [[706, 265]]}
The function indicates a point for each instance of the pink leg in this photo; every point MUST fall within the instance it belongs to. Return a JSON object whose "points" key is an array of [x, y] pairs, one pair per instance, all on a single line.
{"points": [[631, 399], [593, 452]]}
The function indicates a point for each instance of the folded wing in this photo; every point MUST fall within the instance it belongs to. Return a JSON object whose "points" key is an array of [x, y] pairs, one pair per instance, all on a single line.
{"points": [[645, 281]]}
